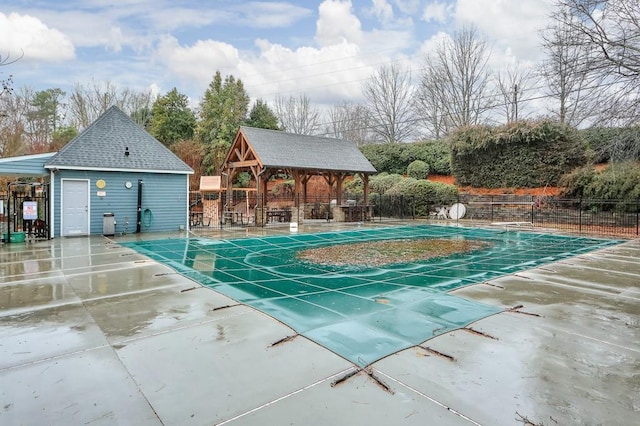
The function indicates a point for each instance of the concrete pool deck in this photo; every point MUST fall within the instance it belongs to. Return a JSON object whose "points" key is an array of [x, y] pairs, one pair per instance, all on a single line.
{"points": [[93, 332]]}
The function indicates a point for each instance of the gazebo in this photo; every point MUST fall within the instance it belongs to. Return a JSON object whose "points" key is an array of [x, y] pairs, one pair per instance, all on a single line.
{"points": [[265, 153]]}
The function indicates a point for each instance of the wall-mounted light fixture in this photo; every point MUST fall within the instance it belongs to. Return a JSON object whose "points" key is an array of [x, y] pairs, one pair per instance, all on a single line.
{"points": [[126, 151]]}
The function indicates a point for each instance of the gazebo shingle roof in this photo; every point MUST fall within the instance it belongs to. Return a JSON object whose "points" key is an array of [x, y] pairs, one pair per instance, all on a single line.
{"points": [[102, 146], [276, 149]]}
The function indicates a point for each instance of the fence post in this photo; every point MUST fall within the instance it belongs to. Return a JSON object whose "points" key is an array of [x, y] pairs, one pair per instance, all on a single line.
{"points": [[532, 203], [413, 207], [580, 215], [491, 198]]}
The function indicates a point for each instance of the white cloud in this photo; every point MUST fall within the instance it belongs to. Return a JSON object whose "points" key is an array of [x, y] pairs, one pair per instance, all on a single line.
{"points": [[88, 29], [155, 90], [198, 62], [337, 23], [383, 11], [115, 39], [271, 14], [507, 24], [183, 44], [24, 33], [410, 7], [329, 72], [430, 45], [435, 12], [324, 73], [171, 18]]}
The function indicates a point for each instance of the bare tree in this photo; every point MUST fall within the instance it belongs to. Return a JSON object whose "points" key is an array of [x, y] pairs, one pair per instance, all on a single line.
{"points": [[569, 83], [350, 122], [138, 105], [13, 121], [388, 93], [87, 103], [5, 83], [297, 115], [607, 33], [429, 105], [454, 89], [512, 83]]}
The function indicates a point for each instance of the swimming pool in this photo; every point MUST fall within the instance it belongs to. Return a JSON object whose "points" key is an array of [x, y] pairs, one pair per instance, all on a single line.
{"points": [[362, 313]]}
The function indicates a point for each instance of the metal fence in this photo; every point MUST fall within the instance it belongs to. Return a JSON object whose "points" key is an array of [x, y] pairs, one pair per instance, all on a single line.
{"points": [[613, 217], [24, 209]]}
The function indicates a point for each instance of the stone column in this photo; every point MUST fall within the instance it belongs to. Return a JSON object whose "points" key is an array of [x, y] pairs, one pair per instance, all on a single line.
{"points": [[338, 214], [261, 216]]}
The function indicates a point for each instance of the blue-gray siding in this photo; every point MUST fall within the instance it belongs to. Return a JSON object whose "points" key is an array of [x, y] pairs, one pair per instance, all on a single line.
{"points": [[164, 200], [27, 165]]}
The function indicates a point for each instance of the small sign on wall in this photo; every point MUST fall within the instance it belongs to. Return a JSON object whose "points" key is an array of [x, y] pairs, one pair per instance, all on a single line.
{"points": [[101, 193], [30, 210]]}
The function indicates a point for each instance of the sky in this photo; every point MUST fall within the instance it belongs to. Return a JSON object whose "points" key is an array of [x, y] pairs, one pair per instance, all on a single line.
{"points": [[324, 50]]}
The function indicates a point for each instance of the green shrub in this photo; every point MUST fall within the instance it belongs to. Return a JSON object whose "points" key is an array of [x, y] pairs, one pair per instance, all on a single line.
{"points": [[382, 182], [242, 179], [283, 189], [517, 155], [444, 193], [418, 169], [425, 194], [616, 182], [435, 153], [394, 158], [354, 186], [574, 183], [403, 186], [385, 157]]}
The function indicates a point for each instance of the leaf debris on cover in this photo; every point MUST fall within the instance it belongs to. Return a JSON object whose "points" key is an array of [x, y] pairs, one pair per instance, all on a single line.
{"points": [[381, 253]]}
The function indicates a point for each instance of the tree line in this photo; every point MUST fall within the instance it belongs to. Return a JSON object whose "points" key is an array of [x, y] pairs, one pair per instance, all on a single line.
{"points": [[589, 78]]}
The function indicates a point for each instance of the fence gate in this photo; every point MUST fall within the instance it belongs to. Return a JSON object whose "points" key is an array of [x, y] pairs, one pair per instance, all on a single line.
{"points": [[26, 209]]}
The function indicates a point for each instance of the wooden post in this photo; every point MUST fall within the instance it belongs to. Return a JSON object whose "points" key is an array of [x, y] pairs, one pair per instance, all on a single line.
{"points": [[339, 180], [365, 182]]}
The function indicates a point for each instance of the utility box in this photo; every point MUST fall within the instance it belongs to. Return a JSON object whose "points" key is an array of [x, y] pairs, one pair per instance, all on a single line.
{"points": [[108, 224]]}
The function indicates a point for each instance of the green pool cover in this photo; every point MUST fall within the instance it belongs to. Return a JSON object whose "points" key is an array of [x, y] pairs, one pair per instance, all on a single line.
{"points": [[361, 313]]}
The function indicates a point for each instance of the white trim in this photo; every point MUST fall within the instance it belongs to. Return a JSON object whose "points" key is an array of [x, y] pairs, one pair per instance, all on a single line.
{"points": [[102, 169], [52, 205], [88, 181], [188, 224]]}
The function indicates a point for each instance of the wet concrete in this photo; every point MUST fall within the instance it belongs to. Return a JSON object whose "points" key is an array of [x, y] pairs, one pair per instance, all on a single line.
{"points": [[91, 332]]}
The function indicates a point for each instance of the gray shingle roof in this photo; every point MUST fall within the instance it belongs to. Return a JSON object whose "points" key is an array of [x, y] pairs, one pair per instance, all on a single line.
{"points": [[102, 145], [280, 149]]}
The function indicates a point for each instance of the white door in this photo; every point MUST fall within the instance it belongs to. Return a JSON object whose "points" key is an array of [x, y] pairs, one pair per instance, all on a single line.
{"points": [[75, 207]]}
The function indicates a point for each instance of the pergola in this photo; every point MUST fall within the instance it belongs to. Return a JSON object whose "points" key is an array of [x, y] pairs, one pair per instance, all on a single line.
{"points": [[265, 153]]}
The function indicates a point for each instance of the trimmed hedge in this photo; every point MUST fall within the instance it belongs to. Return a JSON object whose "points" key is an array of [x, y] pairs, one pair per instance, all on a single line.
{"points": [[423, 194], [394, 158], [522, 154]]}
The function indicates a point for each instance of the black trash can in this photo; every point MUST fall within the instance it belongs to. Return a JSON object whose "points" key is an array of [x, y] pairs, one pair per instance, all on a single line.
{"points": [[108, 224]]}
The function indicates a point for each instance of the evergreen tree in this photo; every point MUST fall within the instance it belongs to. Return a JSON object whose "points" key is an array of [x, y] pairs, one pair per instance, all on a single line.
{"points": [[222, 110], [171, 118], [262, 117]]}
